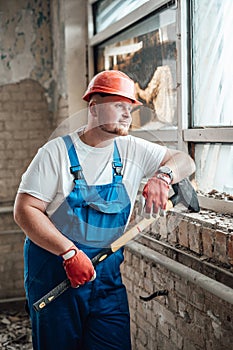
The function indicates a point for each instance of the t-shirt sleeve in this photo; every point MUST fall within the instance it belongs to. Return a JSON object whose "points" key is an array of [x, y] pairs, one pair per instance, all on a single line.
{"points": [[155, 156], [41, 177], [149, 155]]}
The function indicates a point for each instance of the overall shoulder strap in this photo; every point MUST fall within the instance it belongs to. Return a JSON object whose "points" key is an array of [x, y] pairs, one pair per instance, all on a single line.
{"points": [[75, 169], [117, 164]]}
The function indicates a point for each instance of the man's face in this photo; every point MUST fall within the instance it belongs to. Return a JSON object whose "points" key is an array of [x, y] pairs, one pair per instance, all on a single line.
{"points": [[113, 114]]}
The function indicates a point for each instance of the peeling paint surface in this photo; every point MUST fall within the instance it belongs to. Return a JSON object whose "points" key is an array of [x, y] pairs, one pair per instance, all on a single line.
{"points": [[25, 42]]}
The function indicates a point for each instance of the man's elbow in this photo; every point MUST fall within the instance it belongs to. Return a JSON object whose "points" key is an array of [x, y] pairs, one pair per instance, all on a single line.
{"points": [[17, 214], [20, 209]]}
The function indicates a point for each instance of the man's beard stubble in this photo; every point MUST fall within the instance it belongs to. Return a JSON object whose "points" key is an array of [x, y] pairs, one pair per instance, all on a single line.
{"points": [[115, 130]]}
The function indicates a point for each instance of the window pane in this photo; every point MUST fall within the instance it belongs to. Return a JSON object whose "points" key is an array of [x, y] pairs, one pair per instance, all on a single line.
{"points": [[214, 167], [212, 62], [147, 53], [107, 12]]}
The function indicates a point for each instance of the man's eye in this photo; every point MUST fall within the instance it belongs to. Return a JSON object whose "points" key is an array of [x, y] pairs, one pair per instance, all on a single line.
{"points": [[118, 105], [122, 106]]}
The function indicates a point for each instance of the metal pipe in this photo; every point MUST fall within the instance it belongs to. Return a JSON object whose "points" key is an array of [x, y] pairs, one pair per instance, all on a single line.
{"points": [[214, 287]]}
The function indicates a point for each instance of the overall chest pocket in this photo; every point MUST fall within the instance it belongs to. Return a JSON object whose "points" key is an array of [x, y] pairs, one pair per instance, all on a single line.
{"points": [[100, 212]]}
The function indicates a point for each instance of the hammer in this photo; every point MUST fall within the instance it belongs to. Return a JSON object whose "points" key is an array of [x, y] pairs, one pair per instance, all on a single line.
{"points": [[183, 193]]}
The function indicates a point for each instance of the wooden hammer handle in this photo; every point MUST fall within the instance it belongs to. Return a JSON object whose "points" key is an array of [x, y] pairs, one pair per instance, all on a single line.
{"points": [[105, 253]]}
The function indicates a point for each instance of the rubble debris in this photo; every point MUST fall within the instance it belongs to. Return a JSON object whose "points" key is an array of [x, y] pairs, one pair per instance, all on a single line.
{"points": [[15, 330], [221, 221], [209, 218], [217, 195]]}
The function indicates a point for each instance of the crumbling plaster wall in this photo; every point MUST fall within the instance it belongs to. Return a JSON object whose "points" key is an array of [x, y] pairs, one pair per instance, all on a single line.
{"points": [[42, 58], [26, 43], [26, 87], [35, 48], [40, 45]]}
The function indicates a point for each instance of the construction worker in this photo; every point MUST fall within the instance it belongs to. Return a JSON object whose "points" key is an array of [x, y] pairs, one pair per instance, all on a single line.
{"points": [[75, 198]]}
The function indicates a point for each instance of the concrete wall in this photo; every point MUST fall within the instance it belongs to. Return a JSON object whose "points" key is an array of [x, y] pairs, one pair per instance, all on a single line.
{"points": [[76, 55]]}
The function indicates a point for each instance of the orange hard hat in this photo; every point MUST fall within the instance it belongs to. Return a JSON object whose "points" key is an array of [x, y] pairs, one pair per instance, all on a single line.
{"points": [[112, 82]]}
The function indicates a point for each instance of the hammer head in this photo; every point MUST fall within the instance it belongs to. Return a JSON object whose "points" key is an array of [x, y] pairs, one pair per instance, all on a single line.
{"points": [[185, 193]]}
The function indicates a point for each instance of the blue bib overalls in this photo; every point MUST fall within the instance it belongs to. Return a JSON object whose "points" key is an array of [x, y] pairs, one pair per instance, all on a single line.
{"points": [[94, 316]]}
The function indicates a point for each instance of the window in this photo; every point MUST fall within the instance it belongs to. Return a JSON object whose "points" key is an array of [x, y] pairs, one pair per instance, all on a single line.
{"points": [[212, 94], [212, 63], [214, 167], [147, 53], [143, 44], [108, 12], [187, 45]]}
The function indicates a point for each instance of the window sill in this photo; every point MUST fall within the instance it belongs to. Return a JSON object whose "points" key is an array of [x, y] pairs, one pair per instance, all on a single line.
{"points": [[217, 205]]}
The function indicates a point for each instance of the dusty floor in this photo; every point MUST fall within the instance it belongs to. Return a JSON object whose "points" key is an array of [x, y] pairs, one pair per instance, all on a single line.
{"points": [[15, 332]]}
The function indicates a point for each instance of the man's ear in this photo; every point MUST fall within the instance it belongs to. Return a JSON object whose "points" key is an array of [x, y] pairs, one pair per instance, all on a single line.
{"points": [[92, 107]]}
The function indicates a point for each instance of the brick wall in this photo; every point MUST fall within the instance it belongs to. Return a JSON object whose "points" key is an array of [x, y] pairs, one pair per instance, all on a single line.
{"points": [[25, 124], [190, 317], [11, 262], [11, 256], [207, 234]]}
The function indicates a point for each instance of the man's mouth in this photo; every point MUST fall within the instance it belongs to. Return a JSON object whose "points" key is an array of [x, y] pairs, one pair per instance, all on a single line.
{"points": [[116, 129], [125, 123]]}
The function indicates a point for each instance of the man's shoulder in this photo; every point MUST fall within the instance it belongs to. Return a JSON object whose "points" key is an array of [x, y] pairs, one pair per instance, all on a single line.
{"points": [[55, 145]]}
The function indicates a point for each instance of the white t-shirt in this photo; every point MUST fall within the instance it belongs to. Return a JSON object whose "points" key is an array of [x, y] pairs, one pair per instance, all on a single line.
{"points": [[48, 176]]}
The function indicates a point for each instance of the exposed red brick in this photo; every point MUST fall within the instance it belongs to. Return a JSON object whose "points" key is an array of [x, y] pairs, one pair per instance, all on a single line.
{"points": [[183, 234], [208, 236], [220, 246], [194, 237]]}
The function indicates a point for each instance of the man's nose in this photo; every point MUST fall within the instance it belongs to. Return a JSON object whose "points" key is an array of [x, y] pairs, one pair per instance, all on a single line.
{"points": [[126, 112]]}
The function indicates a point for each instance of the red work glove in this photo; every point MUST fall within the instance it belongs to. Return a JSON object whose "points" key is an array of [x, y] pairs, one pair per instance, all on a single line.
{"points": [[156, 195], [78, 266]]}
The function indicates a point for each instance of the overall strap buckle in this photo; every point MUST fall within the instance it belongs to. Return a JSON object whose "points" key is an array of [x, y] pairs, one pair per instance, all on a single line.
{"points": [[76, 171], [117, 166]]}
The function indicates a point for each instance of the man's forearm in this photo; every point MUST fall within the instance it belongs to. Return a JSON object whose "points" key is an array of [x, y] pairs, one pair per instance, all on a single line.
{"points": [[181, 164]]}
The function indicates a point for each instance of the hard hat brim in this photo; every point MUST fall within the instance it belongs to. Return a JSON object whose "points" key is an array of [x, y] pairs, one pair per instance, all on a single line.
{"points": [[87, 96]]}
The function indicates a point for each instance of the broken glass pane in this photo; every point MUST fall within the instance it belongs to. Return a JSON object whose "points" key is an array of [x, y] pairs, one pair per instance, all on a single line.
{"points": [[147, 52]]}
